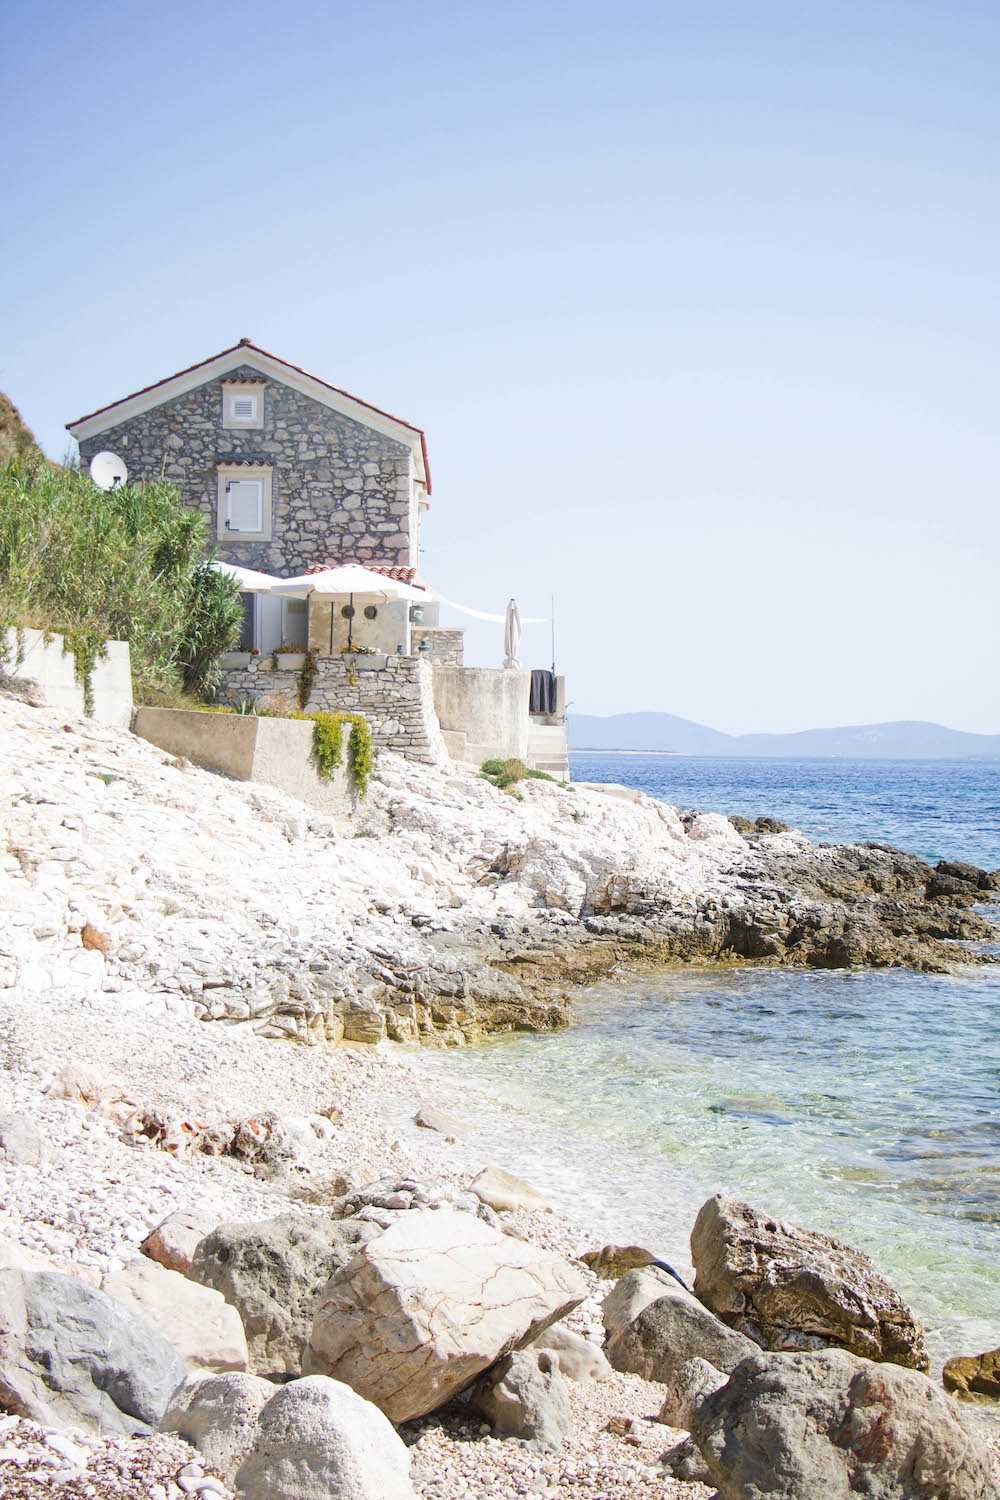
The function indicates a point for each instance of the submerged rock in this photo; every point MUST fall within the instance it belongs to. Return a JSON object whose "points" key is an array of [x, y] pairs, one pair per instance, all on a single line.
{"points": [[789, 1288], [974, 1377], [801, 1426], [613, 1261]]}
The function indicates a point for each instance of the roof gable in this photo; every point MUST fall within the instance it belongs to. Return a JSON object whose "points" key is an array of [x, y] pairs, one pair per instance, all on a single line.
{"points": [[247, 353]]}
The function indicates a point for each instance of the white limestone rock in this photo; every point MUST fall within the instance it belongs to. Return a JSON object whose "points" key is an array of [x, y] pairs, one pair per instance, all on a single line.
{"points": [[218, 1415], [318, 1440], [431, 1303], [501, 1190], [173, 1242], [198, 1321]]}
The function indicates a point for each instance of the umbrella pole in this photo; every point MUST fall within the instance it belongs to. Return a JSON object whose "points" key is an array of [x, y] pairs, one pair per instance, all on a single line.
{"points": [[332, 608], [350, 626]]}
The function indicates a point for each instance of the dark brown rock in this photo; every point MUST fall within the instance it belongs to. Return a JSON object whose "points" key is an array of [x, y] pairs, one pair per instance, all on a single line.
{"points": [[789, 1288]]}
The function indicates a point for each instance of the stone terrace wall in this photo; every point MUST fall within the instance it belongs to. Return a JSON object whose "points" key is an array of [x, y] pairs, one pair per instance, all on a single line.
{"points": [[395, 694], [447, 646], [339, 489]]}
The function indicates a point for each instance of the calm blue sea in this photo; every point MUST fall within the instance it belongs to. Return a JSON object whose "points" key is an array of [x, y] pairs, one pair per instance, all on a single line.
{"points": [[863, 1104]]}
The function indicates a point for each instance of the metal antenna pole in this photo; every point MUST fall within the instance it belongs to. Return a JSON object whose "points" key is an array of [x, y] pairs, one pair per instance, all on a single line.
{"points": [[552, 618]]}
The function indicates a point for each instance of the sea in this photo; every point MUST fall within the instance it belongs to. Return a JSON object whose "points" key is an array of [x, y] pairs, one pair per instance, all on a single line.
{"points": [[862, 1104]]}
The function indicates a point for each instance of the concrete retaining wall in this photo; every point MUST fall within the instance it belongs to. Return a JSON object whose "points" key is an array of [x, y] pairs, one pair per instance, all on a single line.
{"points": [[486, 705], [52, 669], [276, 752]]}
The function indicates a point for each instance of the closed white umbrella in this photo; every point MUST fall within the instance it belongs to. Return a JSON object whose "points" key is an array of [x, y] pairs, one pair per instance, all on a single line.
{"points": [[512, 636]]}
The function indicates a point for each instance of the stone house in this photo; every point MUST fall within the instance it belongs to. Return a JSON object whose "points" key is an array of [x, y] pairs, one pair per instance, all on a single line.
{"points": [[289, 471], [293, 474]]}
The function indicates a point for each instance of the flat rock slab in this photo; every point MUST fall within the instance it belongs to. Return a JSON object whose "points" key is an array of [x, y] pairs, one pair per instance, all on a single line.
{"points": [[501, 1190], [789, 1288], [804, 1426], [71, 1356], [431, 1303]]}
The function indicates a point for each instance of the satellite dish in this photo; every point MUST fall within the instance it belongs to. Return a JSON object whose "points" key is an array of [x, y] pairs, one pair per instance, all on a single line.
{"points": [[108, 471]]}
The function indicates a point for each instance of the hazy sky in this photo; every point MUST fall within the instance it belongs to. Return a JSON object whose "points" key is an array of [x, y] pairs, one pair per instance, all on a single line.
{"points": [[696, 302]]}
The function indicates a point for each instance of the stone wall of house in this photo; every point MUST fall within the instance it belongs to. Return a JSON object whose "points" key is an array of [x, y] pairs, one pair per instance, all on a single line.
{"points": [[447, 647], [395, 694], [339, 489]]}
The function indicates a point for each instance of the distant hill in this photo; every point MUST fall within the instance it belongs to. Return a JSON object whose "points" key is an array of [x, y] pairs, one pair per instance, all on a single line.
{"points": [[906, 739], [16, 440]]}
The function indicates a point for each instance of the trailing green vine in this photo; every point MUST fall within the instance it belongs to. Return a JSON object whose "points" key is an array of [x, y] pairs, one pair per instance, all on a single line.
{"points": [[307, 676], [327, 743], [360, 754], [86, 650], [328, 747]]}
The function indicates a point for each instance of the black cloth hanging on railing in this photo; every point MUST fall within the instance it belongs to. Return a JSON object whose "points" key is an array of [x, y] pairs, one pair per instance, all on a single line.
{"points": [[543, 693]]}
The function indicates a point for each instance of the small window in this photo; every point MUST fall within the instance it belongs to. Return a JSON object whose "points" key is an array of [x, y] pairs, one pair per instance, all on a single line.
{"points": [[244, 502], [242, 405]]}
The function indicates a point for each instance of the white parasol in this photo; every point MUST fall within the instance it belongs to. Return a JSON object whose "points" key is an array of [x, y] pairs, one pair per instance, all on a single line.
{"points": [[349, 578], [249, 580], [512, 636]]}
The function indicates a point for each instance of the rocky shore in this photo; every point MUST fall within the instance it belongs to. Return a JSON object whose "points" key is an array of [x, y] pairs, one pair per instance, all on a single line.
{"points": [[445, 910], [261, 1268]]}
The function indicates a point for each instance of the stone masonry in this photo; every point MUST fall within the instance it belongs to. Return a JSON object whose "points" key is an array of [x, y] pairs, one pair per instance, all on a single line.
{"points": [[395, 694], [339, 488], [447, 647]]}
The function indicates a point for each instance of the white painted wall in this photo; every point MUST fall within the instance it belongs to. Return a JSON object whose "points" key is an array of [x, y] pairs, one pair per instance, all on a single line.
{"points": [[52, 669]]}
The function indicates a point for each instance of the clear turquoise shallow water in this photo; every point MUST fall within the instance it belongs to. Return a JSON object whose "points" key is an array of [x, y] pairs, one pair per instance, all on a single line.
{"points": [[863, 1104]]}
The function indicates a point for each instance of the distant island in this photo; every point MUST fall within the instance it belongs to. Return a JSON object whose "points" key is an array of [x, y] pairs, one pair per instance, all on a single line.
{"points": [[904, 739]]}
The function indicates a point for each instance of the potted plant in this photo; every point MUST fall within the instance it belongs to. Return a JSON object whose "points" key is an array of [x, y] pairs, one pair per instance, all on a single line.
{"points": [[289, 656]]}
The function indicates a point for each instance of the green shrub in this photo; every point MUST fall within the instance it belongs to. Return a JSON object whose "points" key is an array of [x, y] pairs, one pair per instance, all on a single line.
{"points": [[127, 565], [507, 773]]}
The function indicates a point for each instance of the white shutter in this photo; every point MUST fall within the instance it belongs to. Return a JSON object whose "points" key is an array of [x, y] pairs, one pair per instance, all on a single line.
{"points": [[245, 505], [245, 408]]}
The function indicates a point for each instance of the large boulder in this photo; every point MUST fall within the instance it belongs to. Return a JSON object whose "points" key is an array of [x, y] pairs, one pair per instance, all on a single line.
{"points": [[791, 1288], [973, 1377], [524, 1396], [218, 1415], [431, 1303], [271, 1273], [798, 1426], [318, 1440], [197, 1320], [690, 1383], [668, 1332], [71, 1356], [630, 1294]]}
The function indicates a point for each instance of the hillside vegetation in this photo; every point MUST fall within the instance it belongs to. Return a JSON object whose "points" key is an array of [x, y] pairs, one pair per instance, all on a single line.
{"points": [[129, 565], [16, 440]]}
